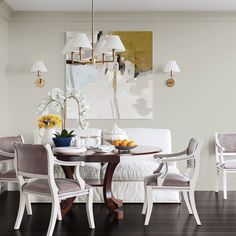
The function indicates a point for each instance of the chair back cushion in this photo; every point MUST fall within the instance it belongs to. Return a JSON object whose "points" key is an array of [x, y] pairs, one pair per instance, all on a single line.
{"points": [[228, 141], [31, 159], [190, 150], [193, 165], [6, 143]]}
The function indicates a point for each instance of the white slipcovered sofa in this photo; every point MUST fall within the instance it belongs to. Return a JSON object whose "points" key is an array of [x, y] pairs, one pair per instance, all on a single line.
{"points": [[128, 178]]}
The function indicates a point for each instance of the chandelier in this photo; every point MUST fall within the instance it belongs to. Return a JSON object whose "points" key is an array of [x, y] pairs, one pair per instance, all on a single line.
{"points": [[102, 51]]}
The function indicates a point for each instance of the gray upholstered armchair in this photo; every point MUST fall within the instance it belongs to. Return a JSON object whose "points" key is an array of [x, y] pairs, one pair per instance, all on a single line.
{"points": [[225, 146], [7, 156], [37, 162], [185, 183]]}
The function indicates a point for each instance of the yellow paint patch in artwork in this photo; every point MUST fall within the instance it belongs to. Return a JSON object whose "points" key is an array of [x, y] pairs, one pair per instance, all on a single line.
{"points": [[138, 45]]}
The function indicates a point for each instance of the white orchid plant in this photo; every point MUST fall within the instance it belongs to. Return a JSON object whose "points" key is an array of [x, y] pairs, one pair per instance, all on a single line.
{"points": [[56, 100]]}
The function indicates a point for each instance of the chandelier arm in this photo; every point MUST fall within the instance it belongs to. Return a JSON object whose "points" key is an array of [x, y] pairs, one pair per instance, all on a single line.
{"points": [[105, 61], [72, 56], [113, 55], [80, 53], [70, 62]]}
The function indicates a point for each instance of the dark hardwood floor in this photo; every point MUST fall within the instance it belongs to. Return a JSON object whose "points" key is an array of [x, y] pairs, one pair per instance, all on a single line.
{"points": [[218, 219]]}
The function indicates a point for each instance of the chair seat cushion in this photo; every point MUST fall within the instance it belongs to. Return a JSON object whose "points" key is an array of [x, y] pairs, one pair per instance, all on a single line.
{"points": [[151, 180], [42, 186], [5, 158], [8, 175], [171, 179], [174, 179], [230, 164], [230, 151]]}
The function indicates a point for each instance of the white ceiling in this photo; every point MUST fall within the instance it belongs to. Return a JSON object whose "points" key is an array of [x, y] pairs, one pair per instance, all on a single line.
{"points": [[123, 5]]}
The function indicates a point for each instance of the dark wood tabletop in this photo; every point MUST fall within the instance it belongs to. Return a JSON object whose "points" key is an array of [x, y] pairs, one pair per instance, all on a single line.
{"points": [[92, 156]]}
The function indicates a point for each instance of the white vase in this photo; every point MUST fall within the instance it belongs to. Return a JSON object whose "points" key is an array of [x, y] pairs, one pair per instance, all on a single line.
{"points": [[46, 137]]}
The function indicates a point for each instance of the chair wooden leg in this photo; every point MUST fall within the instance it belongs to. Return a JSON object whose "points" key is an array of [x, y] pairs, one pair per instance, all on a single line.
{"points": [[28, 205], [149, 205], [193, 205], [20, 211], [144, 210], [59, 216], [89, 209], [186, 199], [217, 180], [225, 184], [53, 218]]}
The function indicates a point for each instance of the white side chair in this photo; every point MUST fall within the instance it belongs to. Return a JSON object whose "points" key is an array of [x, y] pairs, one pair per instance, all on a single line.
{"points": [[184, 183], [225, 146], [37, 161], [7, 156]]}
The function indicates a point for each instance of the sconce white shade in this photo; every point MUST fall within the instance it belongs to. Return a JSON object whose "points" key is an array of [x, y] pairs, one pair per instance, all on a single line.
{"points": [[114, 42], [39, 66], [171, 66]]}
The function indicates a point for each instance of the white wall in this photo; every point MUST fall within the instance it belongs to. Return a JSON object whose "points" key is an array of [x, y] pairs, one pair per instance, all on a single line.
{"points": [[3, 76], [202, 102]]}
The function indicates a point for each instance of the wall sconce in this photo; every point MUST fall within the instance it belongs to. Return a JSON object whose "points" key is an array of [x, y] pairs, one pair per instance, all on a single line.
{"points": [[39, 68], [171, 67]]}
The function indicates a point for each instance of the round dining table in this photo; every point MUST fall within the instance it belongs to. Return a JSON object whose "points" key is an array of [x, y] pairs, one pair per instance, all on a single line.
{"points": [[112, 159]]}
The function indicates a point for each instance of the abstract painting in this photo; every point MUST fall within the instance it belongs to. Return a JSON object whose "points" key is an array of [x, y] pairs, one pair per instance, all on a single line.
{"points": [[124, 94]]}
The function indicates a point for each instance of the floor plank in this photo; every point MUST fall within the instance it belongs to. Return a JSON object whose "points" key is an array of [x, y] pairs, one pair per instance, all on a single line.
{"points": [[218, 218]]}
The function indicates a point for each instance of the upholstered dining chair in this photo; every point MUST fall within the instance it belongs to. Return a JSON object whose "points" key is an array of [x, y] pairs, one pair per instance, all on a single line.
{"points": [[225, 146], [37, 161], [6, 157], [185, 183]]}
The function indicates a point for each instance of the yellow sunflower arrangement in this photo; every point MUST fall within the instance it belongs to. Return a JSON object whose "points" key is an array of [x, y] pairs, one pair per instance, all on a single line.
{"points": [[49, 121]]}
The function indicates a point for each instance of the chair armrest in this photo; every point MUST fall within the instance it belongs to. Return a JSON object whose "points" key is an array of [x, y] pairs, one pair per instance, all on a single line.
{"points": [[165, 160], [69, 163], [77, 164], [158, 170], [7, 154], [79, 178], [170, 155], [163, 175], [220, 147]]}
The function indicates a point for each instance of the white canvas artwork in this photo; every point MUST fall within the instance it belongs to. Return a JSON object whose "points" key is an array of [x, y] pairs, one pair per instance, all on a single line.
{"points": [[120, 90]]}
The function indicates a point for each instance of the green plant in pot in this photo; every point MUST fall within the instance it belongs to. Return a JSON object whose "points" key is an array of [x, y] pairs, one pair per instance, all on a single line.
{"points": [[63, 139]]}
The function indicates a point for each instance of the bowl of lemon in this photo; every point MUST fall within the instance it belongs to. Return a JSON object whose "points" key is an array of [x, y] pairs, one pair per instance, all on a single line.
{"points": [[124, 146]]}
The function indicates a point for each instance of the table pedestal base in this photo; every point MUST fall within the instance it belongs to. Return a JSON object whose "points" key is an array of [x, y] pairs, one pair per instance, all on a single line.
{"points": [[114, 205]]}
